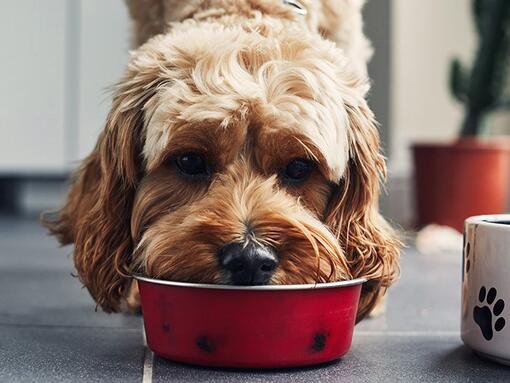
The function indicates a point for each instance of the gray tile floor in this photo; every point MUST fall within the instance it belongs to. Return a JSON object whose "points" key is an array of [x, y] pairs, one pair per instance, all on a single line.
{"points": [[49, 330]]}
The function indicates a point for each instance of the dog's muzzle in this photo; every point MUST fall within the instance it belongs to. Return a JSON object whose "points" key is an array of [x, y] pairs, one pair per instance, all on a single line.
{"points": [[298, 7], [248, 264]]}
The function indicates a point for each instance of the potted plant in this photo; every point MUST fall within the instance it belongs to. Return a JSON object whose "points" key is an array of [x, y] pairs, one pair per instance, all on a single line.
{"points": [[471, 175]]}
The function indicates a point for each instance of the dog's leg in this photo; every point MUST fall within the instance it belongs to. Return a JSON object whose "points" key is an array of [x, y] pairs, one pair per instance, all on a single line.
{"points": [[380, 307], [372, 304], [132, 302]]}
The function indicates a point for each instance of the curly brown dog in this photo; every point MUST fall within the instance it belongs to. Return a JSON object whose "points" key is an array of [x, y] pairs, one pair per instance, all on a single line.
{"points": [[239, 150]]}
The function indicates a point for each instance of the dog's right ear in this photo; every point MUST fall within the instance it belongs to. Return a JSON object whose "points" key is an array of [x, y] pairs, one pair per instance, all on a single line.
{"points": [[96, 216]]}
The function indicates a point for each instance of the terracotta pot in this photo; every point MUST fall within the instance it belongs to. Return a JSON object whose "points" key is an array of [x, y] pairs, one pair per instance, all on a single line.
{"points": [[456, 180]]}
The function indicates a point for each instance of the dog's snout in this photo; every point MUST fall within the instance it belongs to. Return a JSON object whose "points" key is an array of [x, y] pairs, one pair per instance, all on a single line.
{"points": [[250, 264]]}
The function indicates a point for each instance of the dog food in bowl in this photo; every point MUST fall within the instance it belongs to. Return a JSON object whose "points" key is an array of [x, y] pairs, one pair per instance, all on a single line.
{"points": [[249, 327]]}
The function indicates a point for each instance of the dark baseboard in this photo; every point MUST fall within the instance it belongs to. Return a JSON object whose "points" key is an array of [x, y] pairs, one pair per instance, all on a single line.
{"points": [[30, 195]]}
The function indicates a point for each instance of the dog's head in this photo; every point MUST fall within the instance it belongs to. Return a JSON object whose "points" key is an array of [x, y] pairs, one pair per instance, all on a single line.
{"points": [[232, 156]]}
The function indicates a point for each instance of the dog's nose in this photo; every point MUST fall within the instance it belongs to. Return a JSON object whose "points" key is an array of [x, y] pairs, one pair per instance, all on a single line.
{"points": [[250, 264]]}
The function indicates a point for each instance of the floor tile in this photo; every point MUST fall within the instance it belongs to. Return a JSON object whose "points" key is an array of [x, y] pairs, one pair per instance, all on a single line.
{"points": [[49, 330], [372, 359], [37, 286], [54, 354], [426, 298]]}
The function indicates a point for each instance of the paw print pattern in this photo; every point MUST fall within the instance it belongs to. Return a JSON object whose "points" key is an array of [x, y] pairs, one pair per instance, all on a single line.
{"points": [[485, 314], [468, 261]]}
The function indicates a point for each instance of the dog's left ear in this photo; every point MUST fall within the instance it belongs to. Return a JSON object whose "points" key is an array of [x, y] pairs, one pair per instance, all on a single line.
{"points": [[370, 244], [96, 216]]}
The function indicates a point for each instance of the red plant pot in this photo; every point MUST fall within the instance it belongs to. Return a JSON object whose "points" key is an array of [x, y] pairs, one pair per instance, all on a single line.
{"points": [[455, 181], [249, 327]]}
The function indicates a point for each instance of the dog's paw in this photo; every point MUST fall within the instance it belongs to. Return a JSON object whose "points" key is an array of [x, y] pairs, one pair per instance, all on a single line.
{"points": [[131, 304], [379, 308], [487, 316]]}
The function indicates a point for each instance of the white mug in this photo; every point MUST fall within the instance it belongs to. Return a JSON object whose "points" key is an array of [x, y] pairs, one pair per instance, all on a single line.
{"points": [[485, 323]]}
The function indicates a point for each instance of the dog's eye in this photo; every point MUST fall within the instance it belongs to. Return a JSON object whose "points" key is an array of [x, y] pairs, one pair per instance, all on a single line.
{"points": [[192, 164], [298, 170]]}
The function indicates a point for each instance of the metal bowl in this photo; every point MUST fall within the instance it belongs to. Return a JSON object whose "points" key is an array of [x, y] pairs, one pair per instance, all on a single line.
{"points": [[249, 326]]}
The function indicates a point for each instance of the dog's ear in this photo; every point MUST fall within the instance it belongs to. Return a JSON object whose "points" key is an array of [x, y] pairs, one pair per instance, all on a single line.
{"points": [[96, 216], [371, 245]]}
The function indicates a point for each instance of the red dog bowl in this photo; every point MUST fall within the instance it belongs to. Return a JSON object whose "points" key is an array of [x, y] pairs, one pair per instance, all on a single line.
{"points": [[249, 327]]}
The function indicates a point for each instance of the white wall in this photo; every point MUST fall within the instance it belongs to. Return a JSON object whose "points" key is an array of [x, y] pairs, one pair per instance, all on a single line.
{"points": [[426, 35]]}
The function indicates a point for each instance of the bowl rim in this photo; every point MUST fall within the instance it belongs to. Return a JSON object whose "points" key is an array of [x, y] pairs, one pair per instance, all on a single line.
{"points": [[310, 286]]}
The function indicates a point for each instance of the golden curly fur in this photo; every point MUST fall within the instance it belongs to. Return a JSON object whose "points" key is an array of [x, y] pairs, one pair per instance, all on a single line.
{"points": [[250, 86], [337, 20]]}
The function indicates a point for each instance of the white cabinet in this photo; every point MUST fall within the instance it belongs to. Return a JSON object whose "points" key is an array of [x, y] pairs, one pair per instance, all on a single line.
{"points": [[32, 90], [57, 59], [104, 46]]}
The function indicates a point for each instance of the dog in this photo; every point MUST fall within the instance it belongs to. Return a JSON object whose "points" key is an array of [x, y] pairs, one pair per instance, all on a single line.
{"points": [[239, 149]]}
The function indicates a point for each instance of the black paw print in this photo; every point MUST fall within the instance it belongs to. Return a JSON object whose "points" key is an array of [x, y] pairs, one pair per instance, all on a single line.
{"points": [[483, 315]]}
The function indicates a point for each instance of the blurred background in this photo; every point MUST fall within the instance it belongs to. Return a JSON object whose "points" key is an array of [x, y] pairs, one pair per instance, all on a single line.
{"points": [[60, 56]]}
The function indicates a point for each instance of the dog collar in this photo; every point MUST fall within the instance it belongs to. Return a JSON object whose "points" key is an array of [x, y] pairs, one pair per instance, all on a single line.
{"points": [[298, 7]]}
